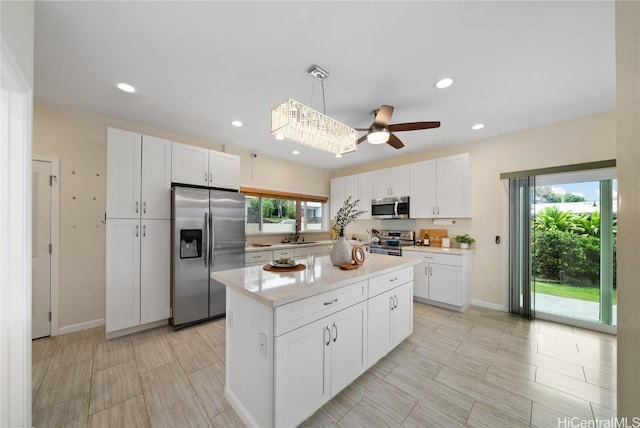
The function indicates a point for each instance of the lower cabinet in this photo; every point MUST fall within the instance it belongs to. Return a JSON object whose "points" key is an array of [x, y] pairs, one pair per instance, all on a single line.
{"points": [[443, 279], [138, 275], [390, 320], [316, 361]]}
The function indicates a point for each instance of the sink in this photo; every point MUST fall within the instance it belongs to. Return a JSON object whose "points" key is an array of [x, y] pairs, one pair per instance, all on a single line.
{"points": [[303, 242]]}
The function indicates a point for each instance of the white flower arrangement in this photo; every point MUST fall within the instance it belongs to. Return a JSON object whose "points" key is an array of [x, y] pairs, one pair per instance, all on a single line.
{"points": [[346, 215]]}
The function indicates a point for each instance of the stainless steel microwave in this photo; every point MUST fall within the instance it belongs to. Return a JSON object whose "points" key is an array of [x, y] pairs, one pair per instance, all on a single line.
{"points": [[397, 207]]}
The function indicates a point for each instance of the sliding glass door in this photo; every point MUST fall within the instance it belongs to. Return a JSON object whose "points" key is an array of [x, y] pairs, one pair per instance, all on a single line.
{"points": [[572, 247]]}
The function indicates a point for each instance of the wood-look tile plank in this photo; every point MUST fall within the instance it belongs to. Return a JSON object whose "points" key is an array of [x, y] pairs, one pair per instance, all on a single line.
{"points": [[227, 419], [114, 385], [544, 417], [155, 353], [44, 348], [448, 401], [387, 398], [471, 366], [602, 379], [63, 384], [365, 415], [184, 335], [96, 334], [38, 369], [490, 344], [415, 362], [72, 353], [586, 391], [318, 420], [383, 367], [188, 413], [423, 415], [112, 352], [130, 413], [342, 403], [208, 385], [506, 402], [165, 386], [213, 333], [486, 415], [150, 335], [194, 355], [71, 413]]}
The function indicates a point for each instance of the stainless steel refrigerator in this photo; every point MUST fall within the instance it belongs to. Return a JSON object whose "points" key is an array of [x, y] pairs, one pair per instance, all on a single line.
{"points": [[208, 236]]}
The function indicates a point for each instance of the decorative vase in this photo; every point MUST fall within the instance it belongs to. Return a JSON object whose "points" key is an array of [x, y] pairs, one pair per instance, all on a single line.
{"points": [[464, 245], [340, 253]]}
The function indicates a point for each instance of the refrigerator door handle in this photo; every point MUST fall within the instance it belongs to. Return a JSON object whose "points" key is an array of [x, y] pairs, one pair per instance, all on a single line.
{"points": [[205, 245], [211, 243]]}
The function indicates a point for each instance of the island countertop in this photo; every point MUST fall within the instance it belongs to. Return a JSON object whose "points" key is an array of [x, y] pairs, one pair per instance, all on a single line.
{"points": [[279, 288]]}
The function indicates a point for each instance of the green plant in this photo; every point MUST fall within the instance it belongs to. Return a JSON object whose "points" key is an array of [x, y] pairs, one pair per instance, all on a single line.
{"points": [[464, 239]]}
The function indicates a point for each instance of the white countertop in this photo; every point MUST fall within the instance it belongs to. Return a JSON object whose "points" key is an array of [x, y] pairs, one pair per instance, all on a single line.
{"points": [[276, 289], [312, 243], [439, 250]]}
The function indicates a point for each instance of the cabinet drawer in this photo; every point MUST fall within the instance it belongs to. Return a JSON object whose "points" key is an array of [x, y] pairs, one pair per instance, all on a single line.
{"points": [[390, 280], [277, 254], [443, 259], [258, 256], [293, 315]]}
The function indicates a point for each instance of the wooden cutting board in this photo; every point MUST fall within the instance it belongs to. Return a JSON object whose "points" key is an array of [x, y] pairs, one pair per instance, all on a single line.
{"points": [[434, 235]]}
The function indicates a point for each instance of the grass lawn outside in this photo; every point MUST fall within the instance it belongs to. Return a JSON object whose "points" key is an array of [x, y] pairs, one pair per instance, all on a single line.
{"points": [[590, 294]]}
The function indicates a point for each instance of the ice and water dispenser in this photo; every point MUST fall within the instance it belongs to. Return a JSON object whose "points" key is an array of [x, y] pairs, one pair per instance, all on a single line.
{"points": [[190, 243]]}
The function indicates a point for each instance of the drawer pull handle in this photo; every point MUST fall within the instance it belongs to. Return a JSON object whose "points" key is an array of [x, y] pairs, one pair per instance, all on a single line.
{"points": [[393, 279], [328, 342], [331, 302]]}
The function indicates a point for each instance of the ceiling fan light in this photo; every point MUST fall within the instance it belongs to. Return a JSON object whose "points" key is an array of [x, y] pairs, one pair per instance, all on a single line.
{"points": [[378, 137], [477, 126], [444, 83]]}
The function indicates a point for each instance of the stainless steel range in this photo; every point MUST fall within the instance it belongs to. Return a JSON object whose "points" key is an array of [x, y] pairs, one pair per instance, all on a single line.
{"points": [[390, 242]]}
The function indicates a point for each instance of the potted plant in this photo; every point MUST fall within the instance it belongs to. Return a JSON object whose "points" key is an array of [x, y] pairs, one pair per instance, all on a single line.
{"points": [[464, 240], [341, 250]]}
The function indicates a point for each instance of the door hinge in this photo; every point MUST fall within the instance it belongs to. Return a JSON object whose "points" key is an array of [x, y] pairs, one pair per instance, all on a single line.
{"points": [[51, 178], [50, 249], [49, 316]]}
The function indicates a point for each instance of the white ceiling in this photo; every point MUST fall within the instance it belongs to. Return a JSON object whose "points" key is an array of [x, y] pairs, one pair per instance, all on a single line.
{"points": [[199, 65]]}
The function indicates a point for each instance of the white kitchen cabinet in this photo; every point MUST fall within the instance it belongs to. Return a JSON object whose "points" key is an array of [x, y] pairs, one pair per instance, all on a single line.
{"points": [[390, 320], [391, 182], [306, 249], [138, 176], [337, 195], [189, 164], [328, 354], [351, 187], [441, 188], [443, 279], [365, 193], [224, 170], [203, 167], [258, 258], [138, 275], [155, 263], [123, 274]]}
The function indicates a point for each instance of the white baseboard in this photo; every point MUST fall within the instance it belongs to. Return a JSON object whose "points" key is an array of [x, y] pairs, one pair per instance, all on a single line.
{"points": [[495, 307], [80, 326]]}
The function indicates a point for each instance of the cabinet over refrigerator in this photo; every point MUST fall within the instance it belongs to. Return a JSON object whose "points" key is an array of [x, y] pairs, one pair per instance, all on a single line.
{"points": [[207, 236]]}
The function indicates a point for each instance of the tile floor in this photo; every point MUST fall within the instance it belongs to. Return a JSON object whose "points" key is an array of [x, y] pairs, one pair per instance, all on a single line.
{"points": [[480, 368]]}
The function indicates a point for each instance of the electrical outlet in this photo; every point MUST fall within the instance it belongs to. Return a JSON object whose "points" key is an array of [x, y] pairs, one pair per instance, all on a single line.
{"points": [[262, 343]]}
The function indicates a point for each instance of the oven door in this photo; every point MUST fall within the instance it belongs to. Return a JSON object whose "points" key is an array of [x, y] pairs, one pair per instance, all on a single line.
{"points": [[386, 250]]}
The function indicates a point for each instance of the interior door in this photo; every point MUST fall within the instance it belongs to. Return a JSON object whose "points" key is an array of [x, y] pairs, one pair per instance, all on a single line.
{"points": [[41, 257]]}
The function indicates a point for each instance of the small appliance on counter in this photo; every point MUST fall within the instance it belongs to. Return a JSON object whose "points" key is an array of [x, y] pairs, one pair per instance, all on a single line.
{"points": [[390, 242]]}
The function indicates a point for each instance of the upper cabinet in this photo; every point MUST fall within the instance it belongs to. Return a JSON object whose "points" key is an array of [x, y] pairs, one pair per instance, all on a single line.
{"points": [[138, 176], [365, 193], [204, 167], [341, 189], [441, 188], [391, 182]]}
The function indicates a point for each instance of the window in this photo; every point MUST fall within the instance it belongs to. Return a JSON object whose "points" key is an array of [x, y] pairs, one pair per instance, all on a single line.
{"points": [[272, 213]]}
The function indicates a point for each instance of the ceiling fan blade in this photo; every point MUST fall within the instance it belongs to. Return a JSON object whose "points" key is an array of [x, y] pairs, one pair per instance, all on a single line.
{"points": [[361, 139], [412, 126], [383, 116], [395, 142], [361, 129]]}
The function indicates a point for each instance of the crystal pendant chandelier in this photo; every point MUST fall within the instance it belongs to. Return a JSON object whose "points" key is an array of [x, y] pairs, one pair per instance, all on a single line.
{"points": [[297, 122]]}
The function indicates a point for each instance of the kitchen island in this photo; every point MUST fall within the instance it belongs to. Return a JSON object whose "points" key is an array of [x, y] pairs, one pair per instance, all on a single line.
{"points": [[296, 339]]}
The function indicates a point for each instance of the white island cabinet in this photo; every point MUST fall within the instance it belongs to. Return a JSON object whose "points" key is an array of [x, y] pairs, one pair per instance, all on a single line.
{"points": [[294, 340]]}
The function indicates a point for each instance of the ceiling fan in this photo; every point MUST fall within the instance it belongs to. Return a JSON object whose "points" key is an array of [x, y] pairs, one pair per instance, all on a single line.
{"points": [[380, 131]]}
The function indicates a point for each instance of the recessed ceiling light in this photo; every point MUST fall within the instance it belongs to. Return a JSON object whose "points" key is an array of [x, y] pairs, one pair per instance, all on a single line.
{"points": [[279, 137], [338, 155], [444, 83], [477, 126], [125, 87], [295, 152], [236, 123]]}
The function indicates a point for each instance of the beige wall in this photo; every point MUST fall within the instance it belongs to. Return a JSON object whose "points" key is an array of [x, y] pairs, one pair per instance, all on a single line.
{"points": [[583, 140], [79, 140], [628, 82]]}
